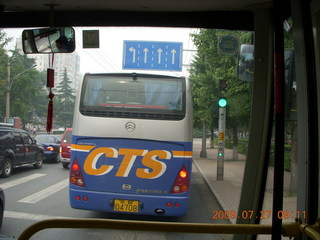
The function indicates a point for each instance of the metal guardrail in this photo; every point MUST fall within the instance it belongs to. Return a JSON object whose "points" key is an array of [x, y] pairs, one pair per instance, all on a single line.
{"points": [[288, 229], [312, 231]]}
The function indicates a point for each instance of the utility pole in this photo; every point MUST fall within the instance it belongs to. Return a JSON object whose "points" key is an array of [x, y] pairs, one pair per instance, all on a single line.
{"points": [[8, 94], [222, 125], [222, 103]]}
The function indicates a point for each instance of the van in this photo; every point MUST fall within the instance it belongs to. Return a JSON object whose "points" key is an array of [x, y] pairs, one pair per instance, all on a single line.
{"points": [[65, 148]]}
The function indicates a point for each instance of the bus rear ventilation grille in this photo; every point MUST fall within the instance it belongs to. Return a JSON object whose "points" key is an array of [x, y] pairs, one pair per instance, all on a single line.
{"points": [[135, 115]]}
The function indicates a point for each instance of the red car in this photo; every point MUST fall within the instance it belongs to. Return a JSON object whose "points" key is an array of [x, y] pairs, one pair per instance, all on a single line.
{"points": [[65, 147]]}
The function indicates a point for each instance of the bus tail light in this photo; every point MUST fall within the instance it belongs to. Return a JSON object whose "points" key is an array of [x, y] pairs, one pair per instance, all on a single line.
{"points": [[76, 177], [181, 183]]}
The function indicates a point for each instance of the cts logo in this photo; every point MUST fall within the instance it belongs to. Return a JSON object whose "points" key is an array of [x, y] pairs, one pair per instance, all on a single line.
{"points": [[153, 162], [154, 168]]}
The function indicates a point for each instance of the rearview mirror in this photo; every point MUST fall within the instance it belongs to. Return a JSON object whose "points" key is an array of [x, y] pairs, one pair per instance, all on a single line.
{"points": [[49, 40], [246, 63]]}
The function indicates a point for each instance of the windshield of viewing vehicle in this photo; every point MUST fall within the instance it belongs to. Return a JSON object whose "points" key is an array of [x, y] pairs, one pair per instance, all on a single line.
{"points": [[207, 58], [116, 67]]}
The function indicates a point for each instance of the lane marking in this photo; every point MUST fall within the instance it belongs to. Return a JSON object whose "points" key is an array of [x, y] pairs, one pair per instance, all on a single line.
{"points": [[45, 192], [30, 216], [116, 234], [21, 180]]}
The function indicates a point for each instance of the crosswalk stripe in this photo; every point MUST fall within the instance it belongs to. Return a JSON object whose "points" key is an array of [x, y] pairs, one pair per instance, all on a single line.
{"points": [[21, 180], [45, 192], [30, 216]]}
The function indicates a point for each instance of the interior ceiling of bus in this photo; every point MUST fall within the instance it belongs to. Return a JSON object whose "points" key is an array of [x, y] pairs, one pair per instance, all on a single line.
{"points": [[132, 5], [228, 14]]}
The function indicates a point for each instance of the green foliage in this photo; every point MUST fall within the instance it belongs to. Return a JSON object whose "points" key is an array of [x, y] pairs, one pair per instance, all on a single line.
{"points": [[288, 37], [243, 148], [4, 40], [65, 98], [26, 95], [287, 158], [207, 69], [242, 145]]}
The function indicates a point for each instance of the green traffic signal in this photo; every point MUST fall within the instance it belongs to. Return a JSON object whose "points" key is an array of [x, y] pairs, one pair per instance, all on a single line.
{"points": [[222, 102], [220, 154]]}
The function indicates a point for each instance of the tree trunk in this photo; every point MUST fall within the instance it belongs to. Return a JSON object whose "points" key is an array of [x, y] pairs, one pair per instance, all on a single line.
{"points": [[203, 152], [211, 138], [293, 173], [235, 141]]}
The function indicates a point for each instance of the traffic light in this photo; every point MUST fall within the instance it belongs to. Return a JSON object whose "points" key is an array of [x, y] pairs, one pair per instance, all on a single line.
{"points": [[222, 102], [222, 84]]}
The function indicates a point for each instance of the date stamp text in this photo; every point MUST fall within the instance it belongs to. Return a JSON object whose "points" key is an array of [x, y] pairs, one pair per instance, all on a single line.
{"points": [[264, 214]]}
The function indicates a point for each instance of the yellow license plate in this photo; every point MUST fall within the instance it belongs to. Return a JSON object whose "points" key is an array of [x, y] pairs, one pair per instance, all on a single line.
{"points": [[121, 205]]}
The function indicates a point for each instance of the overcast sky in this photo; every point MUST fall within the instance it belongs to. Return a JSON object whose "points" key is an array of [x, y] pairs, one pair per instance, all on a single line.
{"points": [[108, 58]]}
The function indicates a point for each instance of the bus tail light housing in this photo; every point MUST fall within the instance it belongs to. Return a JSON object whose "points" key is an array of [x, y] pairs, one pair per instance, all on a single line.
{"points": [[181, 183], [76, 176]]}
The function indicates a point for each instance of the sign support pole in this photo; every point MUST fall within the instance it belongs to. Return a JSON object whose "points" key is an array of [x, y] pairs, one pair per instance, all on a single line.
{"points": [[222, 124]]}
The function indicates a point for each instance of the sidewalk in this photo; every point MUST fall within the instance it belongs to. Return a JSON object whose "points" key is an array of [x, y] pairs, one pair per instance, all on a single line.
{"points": [[228, 191]]}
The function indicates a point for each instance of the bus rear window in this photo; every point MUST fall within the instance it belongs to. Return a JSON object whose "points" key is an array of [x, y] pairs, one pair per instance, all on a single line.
{"points": [[133, 93]]}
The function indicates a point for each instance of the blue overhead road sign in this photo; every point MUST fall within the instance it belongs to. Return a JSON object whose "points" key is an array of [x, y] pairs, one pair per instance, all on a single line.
{"points": [[150, 55]]}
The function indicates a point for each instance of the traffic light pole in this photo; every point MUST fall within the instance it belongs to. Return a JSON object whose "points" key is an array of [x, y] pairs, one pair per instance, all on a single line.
{"points": [[222, 125]]}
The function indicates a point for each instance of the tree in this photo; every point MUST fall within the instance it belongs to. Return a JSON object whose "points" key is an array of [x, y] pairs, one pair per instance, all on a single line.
{"points": [[65, 98], [4, 40], [208, 68], [27, 93], [25, 90]]}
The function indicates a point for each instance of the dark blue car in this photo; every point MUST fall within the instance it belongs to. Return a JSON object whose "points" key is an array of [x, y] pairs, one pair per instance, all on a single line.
{"points": [[51, 145]]}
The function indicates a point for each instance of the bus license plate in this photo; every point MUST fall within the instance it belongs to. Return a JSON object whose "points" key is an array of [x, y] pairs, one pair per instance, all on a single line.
{"points": [[121, 205]]}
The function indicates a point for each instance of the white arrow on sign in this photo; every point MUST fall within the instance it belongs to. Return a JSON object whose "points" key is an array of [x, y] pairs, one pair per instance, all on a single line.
{"points": [[145, 54], [173, 52], [159, 55], [133, 50]]}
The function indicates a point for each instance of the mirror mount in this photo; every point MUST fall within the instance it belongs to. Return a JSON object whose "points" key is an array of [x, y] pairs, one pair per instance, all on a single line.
{"points": [[52, 6]]}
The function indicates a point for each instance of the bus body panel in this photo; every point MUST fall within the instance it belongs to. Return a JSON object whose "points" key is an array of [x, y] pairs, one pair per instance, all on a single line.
{"points": [[150, 205], [130, 166], [144, 129]]}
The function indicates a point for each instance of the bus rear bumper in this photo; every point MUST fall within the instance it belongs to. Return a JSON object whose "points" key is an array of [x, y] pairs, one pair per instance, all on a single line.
{"points": [[174, 206]]}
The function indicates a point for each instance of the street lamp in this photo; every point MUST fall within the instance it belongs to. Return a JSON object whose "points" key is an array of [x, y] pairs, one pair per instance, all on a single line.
{"points": [[9, 86]]}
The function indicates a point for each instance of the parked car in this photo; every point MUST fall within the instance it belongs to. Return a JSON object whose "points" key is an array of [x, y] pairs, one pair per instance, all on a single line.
{"points": [[18, 148], [51, 146], [65, 147], [2, 205]]}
